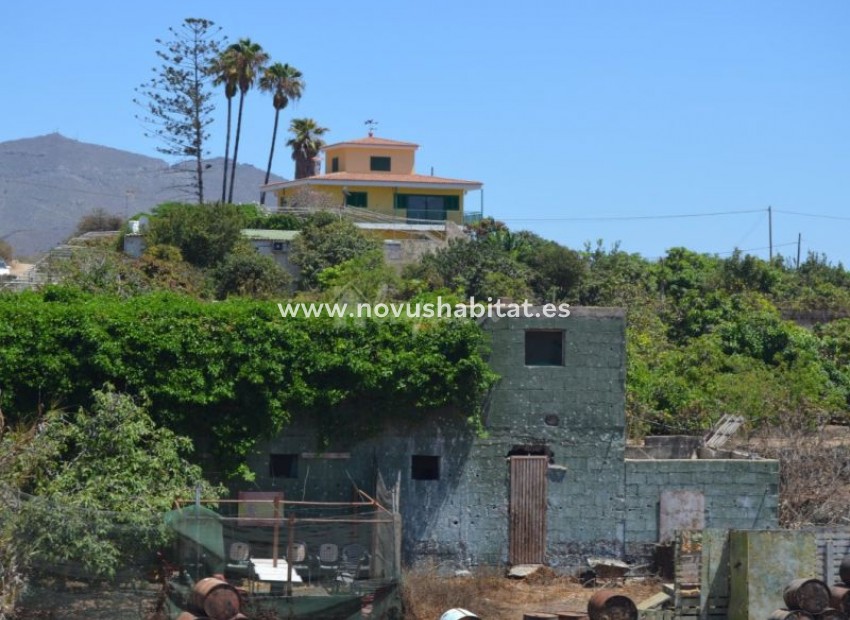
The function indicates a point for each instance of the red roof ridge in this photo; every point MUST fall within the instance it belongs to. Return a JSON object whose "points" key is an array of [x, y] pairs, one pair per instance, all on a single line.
{"points": [[373, 141]]}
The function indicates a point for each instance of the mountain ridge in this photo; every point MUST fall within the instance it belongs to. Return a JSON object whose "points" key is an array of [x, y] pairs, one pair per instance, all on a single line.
{"points": [[47, 183]]}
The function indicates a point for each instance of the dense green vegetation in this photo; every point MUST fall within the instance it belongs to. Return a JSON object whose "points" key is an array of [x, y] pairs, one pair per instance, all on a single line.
{"points": [[706, 335], [94, 485], [229, 373]]}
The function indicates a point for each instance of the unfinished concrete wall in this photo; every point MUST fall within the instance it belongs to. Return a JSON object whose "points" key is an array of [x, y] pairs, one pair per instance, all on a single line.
{"points": [[576, 410], [569, 406], [738, 494]]}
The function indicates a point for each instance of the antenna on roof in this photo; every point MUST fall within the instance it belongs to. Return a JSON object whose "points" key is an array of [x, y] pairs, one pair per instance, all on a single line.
{"points": [[371, 124]]}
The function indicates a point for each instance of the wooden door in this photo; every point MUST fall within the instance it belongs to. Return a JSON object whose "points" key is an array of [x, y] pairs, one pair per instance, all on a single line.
{"points": [[527, 530]]}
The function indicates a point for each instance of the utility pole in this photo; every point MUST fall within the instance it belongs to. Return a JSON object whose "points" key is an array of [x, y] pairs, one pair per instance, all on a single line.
{"points": [[770, 231], [799, 238]]}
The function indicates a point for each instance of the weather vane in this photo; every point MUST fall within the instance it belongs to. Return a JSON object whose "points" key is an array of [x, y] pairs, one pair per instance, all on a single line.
{"points": [[371, 124]]}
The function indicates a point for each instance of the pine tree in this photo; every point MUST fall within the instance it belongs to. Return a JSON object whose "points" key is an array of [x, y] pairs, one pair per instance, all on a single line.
{"points": [[178, 98]]}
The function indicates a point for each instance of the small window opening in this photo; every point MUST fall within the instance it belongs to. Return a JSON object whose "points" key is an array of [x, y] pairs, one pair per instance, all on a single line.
{"points": [[380, 164], [283, 465], [544, 348], [425, 467], [335, 164]]}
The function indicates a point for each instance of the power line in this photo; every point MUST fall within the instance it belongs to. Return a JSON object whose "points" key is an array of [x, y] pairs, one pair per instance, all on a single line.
{"points": [[767, 247], [816, 215], [616, 218]]}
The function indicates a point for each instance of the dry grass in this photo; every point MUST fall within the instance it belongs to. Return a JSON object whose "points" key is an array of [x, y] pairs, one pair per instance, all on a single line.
{"points": [[491, 595]]}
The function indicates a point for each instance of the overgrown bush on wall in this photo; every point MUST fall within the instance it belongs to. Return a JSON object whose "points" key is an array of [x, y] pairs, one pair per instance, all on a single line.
{"points": [[232, 372]]}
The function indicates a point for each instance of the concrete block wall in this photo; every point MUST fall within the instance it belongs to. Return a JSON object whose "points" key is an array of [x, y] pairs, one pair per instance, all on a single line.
{"points": [[577, 412], [739, 494], [574, 411]]}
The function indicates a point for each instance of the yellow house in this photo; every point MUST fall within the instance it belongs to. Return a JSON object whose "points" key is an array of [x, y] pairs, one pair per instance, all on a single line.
{"points": [[378, 175]]}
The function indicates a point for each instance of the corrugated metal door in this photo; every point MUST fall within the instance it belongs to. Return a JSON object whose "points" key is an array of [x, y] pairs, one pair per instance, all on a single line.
{"points": [[527, 536]]}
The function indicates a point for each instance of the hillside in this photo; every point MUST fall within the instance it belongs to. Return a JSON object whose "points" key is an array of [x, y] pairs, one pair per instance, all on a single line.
{"points": [[48, 182]]}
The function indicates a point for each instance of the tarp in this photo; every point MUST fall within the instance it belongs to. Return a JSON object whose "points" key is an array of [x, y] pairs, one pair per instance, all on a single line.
{"points": [[201, 538]]}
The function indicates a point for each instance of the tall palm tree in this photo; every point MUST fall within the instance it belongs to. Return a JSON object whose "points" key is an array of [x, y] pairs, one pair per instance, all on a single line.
{"points": [[305, 144], [248, 60], [224, 71], [286, 84]]}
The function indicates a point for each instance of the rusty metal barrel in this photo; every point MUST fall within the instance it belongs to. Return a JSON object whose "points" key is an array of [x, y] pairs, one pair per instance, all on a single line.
{"points": [[609, 605], [790, 614], [218, 599], [831, 614], [839, 598], [811, 595]]}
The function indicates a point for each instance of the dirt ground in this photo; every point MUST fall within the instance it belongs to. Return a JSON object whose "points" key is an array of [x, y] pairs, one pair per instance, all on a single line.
{"points": [[19, 269], [492, 596]]}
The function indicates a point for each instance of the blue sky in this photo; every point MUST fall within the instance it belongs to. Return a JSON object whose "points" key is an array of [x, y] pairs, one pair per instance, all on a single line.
{"points": [[575, 114]]}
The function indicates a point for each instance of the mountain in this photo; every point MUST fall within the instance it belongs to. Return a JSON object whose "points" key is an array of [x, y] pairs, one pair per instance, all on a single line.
{"points": [[48, 183]]}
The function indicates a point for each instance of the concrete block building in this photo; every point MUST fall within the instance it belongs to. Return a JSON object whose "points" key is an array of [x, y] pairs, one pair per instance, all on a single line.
{"points": [[548, 480]]}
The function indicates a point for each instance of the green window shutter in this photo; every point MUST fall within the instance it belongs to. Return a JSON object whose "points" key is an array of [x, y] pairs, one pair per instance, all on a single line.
{"points": [[401, 201], [357, 199], [451, 203]]}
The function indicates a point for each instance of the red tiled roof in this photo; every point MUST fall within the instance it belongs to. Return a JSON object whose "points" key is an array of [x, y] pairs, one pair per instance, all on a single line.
{"points": [[373, 141]]}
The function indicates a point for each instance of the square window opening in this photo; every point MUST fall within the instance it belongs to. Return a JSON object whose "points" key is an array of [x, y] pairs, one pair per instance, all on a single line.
{"points": [[283, 465], [544, 348], [357, 199], [379, 164], [424, 467]]}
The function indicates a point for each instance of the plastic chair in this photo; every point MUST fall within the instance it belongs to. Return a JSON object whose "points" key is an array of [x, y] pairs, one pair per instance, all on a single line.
{"points": [[300, 560], [328, 558], [355, 559], [239, 560]]}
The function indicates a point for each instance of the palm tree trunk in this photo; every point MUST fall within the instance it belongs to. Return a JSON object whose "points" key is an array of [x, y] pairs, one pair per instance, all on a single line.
{"points": [[236, 147], [271, 156], [226, 151]]}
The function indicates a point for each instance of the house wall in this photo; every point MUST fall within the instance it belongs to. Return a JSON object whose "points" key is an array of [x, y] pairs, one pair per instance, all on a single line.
{"points": [[354, 159], [281, 256], [134, 245], [599, 503], [577, 410], [738, 494], [382, 199]]}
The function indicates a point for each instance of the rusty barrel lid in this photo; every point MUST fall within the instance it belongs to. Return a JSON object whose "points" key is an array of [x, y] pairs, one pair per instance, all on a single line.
{"points": [[811, 595], [610, 605]]}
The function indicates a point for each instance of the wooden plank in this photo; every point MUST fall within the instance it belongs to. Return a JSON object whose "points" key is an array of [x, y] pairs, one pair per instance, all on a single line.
{"points": [[829, 562], [528, 500], [656, 600]]}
